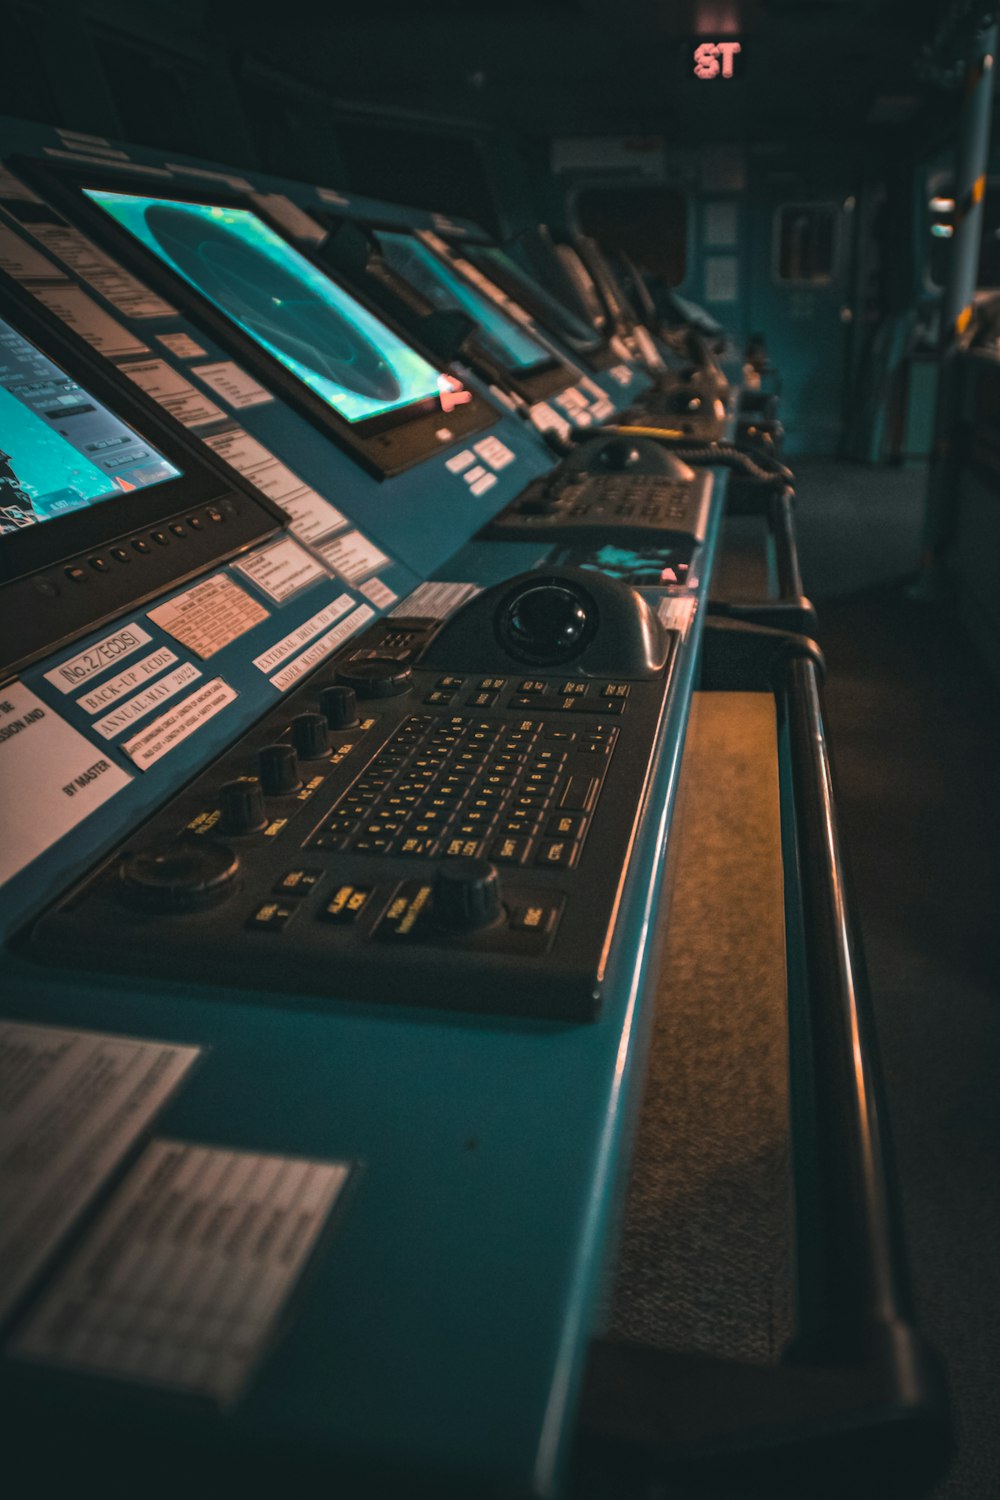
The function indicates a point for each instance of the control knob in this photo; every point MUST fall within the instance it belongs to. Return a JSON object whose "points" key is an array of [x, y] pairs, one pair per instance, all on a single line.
{"points": [[278, 768], [242, 804], [309, 732], [339, 706], [466, 895], [378, 677], [179, 875]]}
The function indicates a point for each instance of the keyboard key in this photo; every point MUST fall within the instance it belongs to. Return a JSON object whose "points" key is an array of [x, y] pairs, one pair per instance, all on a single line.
{"points": [[534, 917], [414, 846], [510, 850], [298, 882], [346, 904], [557, 854], [566, 826], [578, 794], [461, 848]]}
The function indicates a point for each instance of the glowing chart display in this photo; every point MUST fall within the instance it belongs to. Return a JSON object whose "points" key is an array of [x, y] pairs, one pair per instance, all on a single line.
{"points": [[312, 326]]}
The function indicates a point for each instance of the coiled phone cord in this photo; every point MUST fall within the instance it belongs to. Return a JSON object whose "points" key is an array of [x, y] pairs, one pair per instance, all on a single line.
{"points": [[760, 467]]}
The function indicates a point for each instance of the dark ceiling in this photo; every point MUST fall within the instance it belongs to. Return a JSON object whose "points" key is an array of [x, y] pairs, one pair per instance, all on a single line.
{"points": [[593, 67]]}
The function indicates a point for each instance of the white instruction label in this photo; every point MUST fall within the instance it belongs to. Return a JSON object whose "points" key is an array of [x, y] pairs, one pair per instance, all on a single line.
{"points": [[353, 555], [177, 395], [129, 713], [433, 601], [218, 1237], [106, 652], [288, 214], [21, 260], [181, 345], [126, 682], [677, 614], [171, 728], [284, 679], [91, 322], [378, 592], [459, 462], [281, 570], [74, 1102], [311, 515], [115, 284], [51, 778], [622, 374], [233, 384], [289, 644], [210, 615]]}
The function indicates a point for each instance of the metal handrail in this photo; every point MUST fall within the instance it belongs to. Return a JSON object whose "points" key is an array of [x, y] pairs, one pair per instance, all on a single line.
{"points": [[858, 1395]]}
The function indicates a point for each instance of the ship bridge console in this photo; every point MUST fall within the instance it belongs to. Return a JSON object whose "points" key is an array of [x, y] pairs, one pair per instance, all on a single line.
{"points": [[358, 597]]}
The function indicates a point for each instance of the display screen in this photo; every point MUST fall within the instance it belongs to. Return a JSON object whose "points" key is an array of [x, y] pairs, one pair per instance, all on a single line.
{"points": [[333, 344], [502, 338], [493, 261], [60, 449]]}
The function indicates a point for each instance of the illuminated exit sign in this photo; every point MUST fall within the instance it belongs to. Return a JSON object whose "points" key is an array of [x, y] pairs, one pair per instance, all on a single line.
{"points": [[716, 59]]}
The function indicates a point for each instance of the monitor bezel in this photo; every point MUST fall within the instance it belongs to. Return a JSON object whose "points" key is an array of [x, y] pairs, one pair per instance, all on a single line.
{"points": [[552, 374], [384, 445], [200, 481], [597, 356]]}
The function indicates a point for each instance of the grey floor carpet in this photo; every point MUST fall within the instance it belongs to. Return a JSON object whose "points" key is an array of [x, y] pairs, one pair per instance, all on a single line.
{"points": [[705, 1261]]}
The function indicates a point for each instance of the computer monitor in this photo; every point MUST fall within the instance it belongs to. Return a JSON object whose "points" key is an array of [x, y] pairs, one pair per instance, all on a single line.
{"points": [[581, 339], [60, 449], [506, 341], [104, 500], [306, 336]]}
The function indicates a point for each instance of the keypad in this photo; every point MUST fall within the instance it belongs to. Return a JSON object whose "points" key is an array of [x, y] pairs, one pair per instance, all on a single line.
{"points": [[641, 497], [516, 790]]}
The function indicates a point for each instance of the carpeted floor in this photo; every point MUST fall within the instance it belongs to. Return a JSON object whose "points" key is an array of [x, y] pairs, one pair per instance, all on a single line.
{"points": [[914, 721]]}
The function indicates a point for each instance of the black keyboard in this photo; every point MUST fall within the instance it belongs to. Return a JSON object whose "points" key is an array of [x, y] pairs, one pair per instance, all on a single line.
{"points": [[463, 844], [514, 792]]}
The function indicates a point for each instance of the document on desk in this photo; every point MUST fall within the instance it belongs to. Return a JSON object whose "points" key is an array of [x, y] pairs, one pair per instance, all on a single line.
{"points": [[72, 1103], [181, 1281]]}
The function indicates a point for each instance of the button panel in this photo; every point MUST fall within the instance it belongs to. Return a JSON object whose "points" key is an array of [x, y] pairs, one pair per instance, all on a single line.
{"points": [[609, 508], [338, 860]]}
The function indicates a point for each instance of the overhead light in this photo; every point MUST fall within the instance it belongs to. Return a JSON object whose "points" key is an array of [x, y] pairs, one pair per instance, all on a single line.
{"points": [[942, 205]]}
